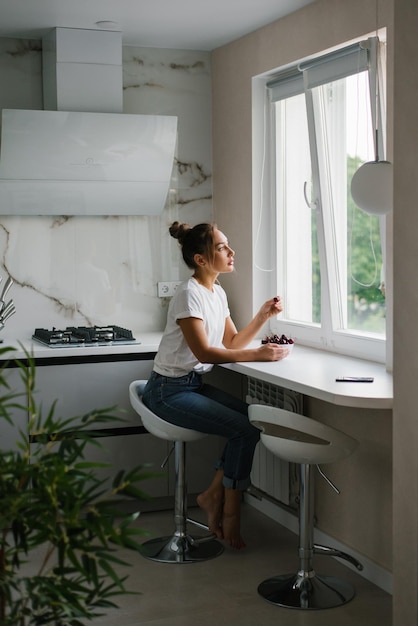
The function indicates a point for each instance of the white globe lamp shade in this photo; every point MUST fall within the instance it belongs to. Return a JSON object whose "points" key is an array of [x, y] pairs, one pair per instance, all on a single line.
{"points": [[372, 187]]}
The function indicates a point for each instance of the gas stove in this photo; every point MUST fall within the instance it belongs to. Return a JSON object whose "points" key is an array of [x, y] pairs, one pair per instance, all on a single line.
{"points": [[74, 336]]}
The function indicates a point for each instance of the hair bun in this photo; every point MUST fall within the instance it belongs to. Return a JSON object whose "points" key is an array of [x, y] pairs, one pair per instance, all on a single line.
{"points": [[178, 230]]}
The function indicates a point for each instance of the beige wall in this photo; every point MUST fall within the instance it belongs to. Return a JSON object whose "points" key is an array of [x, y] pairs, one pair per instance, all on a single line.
{"points": [[364, 479], [405, 238], [322, 25]]}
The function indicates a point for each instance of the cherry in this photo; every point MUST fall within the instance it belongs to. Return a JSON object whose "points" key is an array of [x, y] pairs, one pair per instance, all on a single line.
{"points": [[282, 340]]}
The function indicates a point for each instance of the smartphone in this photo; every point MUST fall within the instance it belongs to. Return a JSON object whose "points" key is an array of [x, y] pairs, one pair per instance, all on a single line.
{"points": [[354, 379]]}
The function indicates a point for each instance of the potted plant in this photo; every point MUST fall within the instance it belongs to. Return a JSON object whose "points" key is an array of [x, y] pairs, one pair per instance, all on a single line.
{"points": [[56, 513]]}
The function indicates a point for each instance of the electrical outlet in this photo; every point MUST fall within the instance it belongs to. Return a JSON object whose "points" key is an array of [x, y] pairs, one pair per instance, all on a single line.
{"points": [[167, 289]]}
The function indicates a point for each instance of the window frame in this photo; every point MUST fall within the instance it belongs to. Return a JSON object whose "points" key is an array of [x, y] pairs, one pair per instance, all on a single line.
{"points": [[325, 336]]}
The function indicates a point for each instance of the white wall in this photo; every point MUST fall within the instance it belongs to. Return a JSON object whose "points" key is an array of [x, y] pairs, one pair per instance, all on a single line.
{"points": [[88, 270]]}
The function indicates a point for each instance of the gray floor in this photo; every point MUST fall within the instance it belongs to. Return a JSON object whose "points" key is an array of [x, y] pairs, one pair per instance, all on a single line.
{"points": [[223, 591]]}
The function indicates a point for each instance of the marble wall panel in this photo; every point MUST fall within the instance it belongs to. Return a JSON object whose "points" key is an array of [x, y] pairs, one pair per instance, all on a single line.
{"points": [[104, 270]]}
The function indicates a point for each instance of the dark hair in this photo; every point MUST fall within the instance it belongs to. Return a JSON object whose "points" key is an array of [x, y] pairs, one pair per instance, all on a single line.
{"points": [[196, 240]]}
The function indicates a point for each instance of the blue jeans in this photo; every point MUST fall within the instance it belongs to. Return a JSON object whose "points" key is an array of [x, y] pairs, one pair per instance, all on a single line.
{"points": [[188, 402]]}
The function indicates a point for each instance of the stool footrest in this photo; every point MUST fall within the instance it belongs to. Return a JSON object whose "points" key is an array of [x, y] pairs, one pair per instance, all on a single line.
{"points": [[198, 524], [326, 551], [195, 541]]}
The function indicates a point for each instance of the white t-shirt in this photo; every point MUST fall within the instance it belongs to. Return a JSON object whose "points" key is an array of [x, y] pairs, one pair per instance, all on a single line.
{"points": [[174, 357]]}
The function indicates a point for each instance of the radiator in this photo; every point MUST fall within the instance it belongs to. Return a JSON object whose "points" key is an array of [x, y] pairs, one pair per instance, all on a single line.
{"points": [[276, 478]]}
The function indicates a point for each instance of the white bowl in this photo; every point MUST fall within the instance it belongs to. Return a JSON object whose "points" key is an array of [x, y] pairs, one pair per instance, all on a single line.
{"points": [[289, 346], [283, 345]]}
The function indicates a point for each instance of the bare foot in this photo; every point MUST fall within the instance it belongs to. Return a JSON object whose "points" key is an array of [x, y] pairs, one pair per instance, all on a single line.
{"points": [[211, 502], [231, 531]]}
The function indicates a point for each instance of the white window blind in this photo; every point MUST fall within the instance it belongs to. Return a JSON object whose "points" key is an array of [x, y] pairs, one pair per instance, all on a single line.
{"points": [[332, 66]]}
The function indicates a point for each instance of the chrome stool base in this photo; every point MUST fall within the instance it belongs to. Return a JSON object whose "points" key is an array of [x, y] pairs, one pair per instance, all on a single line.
{"points": [[185, 549], [180, 547], [298, 439], [294, 591]]}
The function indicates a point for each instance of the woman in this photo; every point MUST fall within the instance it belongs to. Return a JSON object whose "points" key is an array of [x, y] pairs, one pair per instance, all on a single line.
{"points": [[199, 333]]}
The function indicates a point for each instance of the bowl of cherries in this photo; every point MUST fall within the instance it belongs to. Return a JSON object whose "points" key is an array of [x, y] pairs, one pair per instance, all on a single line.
{"points": [[281, 340]]}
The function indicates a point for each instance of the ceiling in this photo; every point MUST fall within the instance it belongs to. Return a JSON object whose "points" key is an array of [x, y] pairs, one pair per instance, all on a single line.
{"points": [[181, 24]]}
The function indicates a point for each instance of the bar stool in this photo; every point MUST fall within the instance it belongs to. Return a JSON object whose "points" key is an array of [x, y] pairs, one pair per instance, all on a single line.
{"points": [[180, 547], [302, 440]]}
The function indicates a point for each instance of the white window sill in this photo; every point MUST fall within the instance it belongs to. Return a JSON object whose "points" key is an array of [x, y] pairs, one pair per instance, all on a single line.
{"points": [[313, 373]]}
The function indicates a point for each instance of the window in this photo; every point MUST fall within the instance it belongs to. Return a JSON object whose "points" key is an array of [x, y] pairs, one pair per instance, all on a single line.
{"points": [[329, 254]]}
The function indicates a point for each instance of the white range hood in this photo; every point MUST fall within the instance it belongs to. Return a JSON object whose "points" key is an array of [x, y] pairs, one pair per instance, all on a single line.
{"points": [[85, 161]]}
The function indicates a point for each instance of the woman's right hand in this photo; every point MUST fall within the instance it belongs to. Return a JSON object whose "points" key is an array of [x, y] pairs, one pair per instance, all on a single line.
{"points": [[272, 352]]}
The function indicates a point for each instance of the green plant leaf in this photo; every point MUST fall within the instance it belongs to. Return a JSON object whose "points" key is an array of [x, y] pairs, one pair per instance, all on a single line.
{"points": [[56, 511]]}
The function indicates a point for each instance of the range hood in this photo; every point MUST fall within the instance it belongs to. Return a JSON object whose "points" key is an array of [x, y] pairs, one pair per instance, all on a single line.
{"points": [[72, 163], [85, 161]]}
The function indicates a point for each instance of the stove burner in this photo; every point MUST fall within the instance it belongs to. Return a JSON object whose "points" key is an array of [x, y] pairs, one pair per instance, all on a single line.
{"points": [[84, 336]]}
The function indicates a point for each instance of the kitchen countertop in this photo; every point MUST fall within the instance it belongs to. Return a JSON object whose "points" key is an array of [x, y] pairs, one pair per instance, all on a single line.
{"points": [[307, 370], [146, 343]]}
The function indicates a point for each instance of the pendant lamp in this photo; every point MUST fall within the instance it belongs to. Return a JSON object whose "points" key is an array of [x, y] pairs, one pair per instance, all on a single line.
{"points": [[372, 187], [372, 183]]}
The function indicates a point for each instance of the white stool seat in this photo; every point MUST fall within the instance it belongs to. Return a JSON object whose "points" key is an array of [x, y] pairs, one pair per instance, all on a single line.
{"points": [[180, 547], [154, 424], [299, 439], [306, 442]]}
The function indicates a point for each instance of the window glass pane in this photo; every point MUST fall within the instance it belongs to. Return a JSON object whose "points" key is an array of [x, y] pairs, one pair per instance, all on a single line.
{"points": [[298, 265], [365, 270], [352, 238]]}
